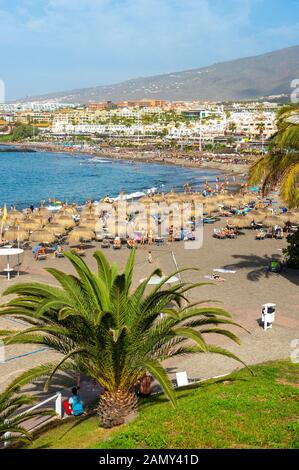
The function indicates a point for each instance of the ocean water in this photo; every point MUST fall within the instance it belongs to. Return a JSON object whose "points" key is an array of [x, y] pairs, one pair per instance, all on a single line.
{"points": [[28, 178]]}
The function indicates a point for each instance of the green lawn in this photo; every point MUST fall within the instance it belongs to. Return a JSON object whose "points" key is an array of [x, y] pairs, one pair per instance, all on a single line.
{"points": [[260, 411]]}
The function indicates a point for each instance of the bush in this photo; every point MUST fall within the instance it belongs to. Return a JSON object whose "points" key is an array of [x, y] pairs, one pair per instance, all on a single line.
{"points": [[292, 251]]}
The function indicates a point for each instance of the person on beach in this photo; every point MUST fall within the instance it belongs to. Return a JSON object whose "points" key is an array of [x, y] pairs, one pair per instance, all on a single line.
{"points": [[39, 252], [150, 237], [149, 257], [171, 233]]}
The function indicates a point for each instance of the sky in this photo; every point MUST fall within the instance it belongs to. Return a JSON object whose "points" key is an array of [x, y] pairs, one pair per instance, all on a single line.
{"points": [[57, 45]]}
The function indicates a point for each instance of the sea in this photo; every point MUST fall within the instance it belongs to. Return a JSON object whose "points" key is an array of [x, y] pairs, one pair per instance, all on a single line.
{"points": [[29, 178]]}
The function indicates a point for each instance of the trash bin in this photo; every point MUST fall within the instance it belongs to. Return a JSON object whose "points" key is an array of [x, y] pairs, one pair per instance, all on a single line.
{"points": [[268, 315]]}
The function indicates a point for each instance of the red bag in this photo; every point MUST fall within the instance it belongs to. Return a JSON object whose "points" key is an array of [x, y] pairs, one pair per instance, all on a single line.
{"points": [[67, 407]]}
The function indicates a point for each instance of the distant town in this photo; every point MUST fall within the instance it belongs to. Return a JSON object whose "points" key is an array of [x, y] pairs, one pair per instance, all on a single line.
{"points": [[242, 126]]}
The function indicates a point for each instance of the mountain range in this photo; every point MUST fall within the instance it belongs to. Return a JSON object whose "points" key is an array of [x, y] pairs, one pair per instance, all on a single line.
{"points": [[242, 79]]}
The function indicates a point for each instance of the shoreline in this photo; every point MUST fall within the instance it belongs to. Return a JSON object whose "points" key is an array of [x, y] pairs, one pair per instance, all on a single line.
{"points": [[166, 157]]}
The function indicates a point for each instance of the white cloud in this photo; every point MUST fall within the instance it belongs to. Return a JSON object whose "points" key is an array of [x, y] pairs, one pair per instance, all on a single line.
{"points": [[104, 41]]}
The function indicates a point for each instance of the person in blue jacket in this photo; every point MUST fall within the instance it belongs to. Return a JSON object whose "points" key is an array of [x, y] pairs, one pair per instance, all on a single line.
{"points": [[76, 403]]}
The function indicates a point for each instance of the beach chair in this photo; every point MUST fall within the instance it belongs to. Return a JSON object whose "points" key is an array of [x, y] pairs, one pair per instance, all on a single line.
{"points": [[219, 234], [105, 243], [59, 254], [232, 235], [269, 233], [131, 244], [78, 251], [117, 243], [279, 234], [260, 235], [41, 257], [99, 237]]}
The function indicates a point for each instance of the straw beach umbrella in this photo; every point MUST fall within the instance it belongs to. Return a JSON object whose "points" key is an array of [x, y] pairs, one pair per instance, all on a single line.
{"points": [[55, 228], [14, 216], [42, 236], [41, 218], [65, 220], [30, 225], [242, 221], [290, 216], [16, 233], [43, 211], [257, 215], [91, 223], [81, 233], [271, 221]]}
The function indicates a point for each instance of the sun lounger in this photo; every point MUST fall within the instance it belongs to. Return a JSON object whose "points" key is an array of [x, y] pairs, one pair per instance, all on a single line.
{"points": [[279, 234], [99, 237], [79, 252], [260, 236], [131, 244], [219, 234], [117, 244], [41, 257], [231, 235]]}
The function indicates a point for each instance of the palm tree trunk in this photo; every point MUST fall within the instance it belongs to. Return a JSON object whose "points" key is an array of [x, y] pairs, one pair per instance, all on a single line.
{"points": [[115, 406]]}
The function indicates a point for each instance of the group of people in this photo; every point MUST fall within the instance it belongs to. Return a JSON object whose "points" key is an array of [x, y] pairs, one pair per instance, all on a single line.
{"points": [[74, 405]]}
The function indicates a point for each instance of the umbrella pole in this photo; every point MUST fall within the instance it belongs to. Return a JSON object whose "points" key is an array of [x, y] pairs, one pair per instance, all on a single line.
{"points": [[8, 268], [176, 265]]}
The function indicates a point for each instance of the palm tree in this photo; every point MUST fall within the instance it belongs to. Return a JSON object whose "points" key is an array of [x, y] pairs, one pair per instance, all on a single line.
{"points": [[281, 166], [12, 416], [108, 332]]}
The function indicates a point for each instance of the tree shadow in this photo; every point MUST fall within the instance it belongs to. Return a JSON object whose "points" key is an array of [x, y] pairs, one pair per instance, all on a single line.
{"points": [[259, 267]]}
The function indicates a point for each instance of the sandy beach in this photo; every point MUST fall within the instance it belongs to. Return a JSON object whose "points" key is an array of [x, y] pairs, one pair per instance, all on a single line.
{"points": [[230, 164], [242, 294]]}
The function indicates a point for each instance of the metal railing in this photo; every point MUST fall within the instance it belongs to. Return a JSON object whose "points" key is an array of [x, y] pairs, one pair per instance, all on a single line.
{"points": [[58, 409]]}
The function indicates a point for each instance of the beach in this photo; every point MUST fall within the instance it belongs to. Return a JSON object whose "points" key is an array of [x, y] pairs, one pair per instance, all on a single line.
{"points": [[230, 164], [242, 294]]}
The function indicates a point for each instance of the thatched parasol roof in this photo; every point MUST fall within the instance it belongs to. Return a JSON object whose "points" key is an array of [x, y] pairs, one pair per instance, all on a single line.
{"points": [[81, 233], [65, 220], [13, 233], [55, 228], [42, 236]]}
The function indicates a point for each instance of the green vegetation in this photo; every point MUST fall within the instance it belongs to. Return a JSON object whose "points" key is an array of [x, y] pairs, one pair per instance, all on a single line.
{"points": [[281, 166], [238, 411], [292, 251], [20, 132], [11, 402], [114, 335]]}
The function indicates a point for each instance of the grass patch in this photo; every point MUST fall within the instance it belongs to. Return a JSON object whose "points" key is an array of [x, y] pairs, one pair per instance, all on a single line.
{"points": [[239, 411]]}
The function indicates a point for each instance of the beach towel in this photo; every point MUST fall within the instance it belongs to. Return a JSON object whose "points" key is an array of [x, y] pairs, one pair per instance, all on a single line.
{"points": [[213, 279], [221, 270]]}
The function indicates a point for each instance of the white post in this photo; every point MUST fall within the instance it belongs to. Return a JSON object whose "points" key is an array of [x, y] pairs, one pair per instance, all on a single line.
{"points": [[58, 405]]}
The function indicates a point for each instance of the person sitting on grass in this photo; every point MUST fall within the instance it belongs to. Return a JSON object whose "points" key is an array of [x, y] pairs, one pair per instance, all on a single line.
{"points": [[143, 386], [76, 403]]}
